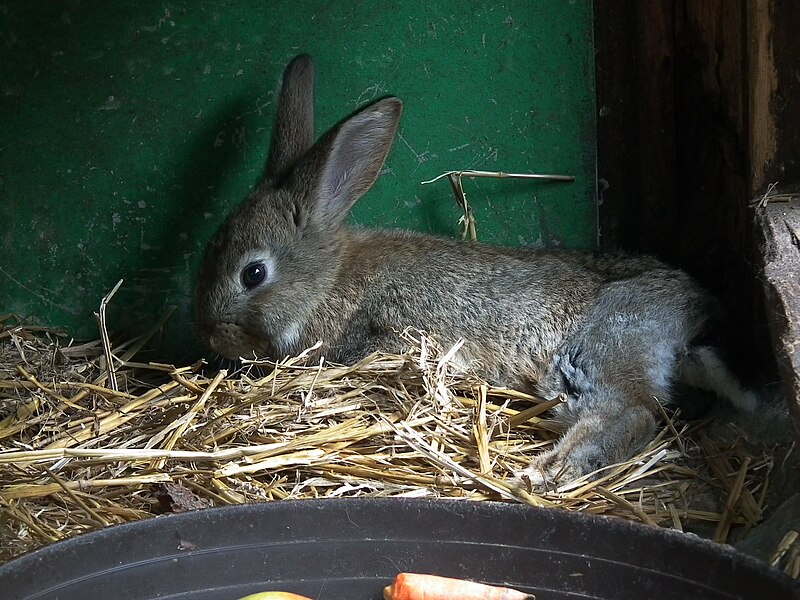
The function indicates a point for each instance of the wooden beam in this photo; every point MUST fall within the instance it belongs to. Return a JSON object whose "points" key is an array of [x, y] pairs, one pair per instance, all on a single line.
{"points": [[762, 77]]}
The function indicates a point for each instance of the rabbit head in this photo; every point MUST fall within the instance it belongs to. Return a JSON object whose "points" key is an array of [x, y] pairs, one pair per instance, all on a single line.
{"points": [[276, 256]]}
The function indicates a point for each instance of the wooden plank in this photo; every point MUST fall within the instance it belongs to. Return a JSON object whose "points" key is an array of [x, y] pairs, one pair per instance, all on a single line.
{"points": [[617, 166], [779, 223], [763, 80]]}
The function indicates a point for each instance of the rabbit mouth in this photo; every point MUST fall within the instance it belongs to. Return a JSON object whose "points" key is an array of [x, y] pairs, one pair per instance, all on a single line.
{"points": [[233, 341]]}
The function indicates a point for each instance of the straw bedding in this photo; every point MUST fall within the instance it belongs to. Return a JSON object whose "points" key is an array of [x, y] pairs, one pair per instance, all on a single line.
{"points": [[87, 441]]}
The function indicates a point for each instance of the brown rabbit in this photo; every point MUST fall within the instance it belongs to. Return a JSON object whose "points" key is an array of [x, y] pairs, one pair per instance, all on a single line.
{"points": [[615, 334]]}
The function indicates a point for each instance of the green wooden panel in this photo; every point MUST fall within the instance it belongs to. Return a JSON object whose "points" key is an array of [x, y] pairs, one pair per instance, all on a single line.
{"points": [[130, 128]]}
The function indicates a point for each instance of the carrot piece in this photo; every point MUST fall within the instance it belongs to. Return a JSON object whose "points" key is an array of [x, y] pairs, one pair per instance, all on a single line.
{"points": [[274, 596], [414, 586]]}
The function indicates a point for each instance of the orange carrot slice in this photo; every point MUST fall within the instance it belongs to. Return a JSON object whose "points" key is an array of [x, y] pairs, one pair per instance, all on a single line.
{"points": [[414, 586]]}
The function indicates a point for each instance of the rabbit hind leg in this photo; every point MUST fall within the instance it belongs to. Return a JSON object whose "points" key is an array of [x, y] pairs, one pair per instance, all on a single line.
{"points": [[598, 438]]}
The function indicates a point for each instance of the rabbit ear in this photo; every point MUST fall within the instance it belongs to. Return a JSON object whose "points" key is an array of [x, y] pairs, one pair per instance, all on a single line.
{"points": [[348, 160], [293, 133]]}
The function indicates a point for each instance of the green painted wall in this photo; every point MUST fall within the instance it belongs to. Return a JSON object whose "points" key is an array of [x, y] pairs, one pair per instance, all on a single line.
{"points": [[129, 129]]}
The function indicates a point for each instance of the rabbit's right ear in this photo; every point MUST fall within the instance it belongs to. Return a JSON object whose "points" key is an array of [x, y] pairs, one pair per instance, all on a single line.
{"points": [[293, 133], [345, 163]]}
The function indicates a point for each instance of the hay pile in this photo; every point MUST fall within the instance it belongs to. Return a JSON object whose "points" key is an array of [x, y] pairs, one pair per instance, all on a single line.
{"points": [[83, 446]]}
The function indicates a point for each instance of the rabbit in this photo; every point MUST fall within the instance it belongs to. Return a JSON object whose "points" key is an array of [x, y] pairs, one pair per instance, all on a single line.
{"points": [[613, 333]]}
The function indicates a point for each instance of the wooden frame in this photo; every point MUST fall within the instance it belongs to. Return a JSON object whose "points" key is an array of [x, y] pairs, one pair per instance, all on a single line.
{"points": [[697, 118]]}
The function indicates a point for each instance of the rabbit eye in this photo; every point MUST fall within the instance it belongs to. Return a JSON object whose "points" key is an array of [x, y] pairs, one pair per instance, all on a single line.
{"points": [[254, 274]]}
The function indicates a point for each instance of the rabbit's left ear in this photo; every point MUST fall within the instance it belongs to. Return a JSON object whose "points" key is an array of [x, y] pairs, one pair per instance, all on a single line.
{"points": [[347, 161], [293, 133]]}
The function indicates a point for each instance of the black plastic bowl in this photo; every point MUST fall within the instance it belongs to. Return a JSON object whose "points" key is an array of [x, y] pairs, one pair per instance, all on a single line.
{"points": [[349, 549]]}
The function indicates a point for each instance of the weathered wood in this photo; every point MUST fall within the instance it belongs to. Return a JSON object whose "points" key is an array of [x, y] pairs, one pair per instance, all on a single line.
{"points": [[762, 80], [672, 132], [656, 135], [616, 75], [785, 165], [773, 77], [779, 223], [711, 143], [698, 115]]}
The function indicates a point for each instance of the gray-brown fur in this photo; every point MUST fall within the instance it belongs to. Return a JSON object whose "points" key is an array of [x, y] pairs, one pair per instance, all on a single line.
{"points": [[613, 333]]}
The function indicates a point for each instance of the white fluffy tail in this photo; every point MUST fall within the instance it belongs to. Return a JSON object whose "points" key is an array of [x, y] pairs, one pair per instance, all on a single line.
{"points": [[703, 368]]}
